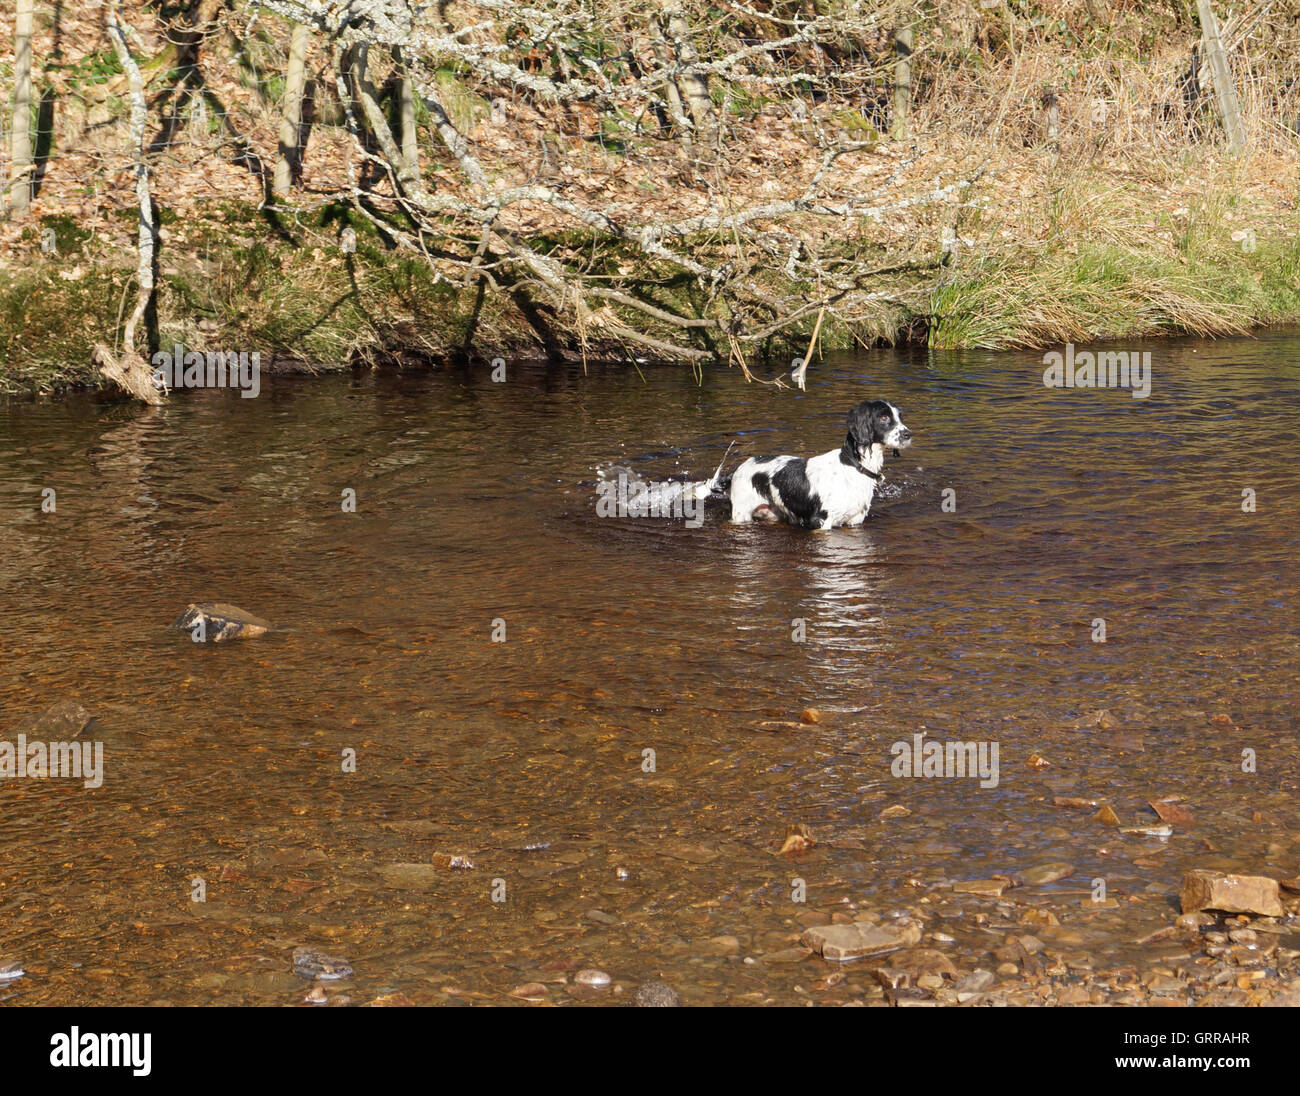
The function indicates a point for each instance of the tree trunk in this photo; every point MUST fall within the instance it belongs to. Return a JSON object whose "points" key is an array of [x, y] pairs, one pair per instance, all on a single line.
{"points": [[1225, 91], [131, 371], [694, 87], [676, 108], [406, 113], [286, 162], [1051, 118], [21, 165], [902, 106]]}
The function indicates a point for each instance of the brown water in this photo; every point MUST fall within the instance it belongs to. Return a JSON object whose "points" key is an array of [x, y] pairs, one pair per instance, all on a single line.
{"points": [[475, 503]]}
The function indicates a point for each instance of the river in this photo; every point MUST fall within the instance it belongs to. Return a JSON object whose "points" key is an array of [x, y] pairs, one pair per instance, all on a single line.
{"points": [[498, 659]]}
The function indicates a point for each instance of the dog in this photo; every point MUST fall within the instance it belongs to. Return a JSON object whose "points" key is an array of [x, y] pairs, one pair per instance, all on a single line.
{"points": [[822, 492]]}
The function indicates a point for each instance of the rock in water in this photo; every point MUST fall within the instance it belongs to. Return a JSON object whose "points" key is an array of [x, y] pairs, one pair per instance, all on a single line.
{"points": [[218, 621], [853, 941], [314, 963], [657, 995], [977, 981], [1042, 874], [62, 721], [1212, 890]]}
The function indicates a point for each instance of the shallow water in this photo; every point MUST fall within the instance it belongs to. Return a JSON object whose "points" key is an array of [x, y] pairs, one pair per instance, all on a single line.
{"points": [[475, 505]]}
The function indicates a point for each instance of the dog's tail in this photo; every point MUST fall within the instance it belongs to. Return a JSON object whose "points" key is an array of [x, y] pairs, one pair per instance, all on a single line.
{"points": [[663, 496], [718, 482], [703, 489]]}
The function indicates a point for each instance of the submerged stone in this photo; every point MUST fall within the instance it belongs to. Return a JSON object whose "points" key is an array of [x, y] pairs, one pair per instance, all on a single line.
{"points": [[1043, 874], [859, 938], [218, 622], [314, 963], [61, 721], [657, 995]]}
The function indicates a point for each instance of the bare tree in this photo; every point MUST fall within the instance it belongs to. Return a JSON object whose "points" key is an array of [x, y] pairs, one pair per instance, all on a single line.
{"points": [[286, 163], [693, 81], [406, 111], [902, 81], [21, 163], [131, 372], [1225, 91], [474, 231]]}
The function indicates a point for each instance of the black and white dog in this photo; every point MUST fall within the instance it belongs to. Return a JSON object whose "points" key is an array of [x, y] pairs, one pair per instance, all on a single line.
{"points": [[822, 492]]}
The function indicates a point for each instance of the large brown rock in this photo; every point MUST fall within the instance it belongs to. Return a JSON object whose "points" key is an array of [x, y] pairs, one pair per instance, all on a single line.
{"points": [[220, 622], [1212, 890], [64, 720], [861, 938]]}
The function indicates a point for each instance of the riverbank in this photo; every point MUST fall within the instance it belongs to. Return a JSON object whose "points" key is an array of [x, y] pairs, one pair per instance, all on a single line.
{"points": [[1051, 180], [1093, 257]]}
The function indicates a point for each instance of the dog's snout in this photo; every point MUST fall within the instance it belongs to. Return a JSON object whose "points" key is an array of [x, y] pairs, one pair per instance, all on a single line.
{"points": [[905, 434]]}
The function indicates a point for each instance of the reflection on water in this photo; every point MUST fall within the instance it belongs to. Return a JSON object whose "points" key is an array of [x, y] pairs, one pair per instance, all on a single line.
{"points": [[704, 645]]}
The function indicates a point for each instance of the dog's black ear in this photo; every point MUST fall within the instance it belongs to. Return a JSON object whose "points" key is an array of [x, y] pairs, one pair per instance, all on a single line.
{"points": [[863, 429]]}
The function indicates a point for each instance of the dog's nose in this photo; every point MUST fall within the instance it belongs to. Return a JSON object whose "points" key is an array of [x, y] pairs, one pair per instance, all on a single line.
{"points": [[905, 434]]}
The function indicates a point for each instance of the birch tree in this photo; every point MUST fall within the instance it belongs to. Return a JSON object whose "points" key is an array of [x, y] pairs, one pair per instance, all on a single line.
{"points": [[287, 159], [21, 164], [130, 371]]}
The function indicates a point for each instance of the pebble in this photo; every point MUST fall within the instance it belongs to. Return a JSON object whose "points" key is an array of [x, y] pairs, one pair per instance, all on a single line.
{"points": [[1107, 816], [1042, 874], [989, 888], [657, 995], [314, 963], [977, 981], [593, 978]]}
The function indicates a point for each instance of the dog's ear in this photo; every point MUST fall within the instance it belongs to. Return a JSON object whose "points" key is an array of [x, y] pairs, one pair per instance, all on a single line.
{"points": [[863, 429]]}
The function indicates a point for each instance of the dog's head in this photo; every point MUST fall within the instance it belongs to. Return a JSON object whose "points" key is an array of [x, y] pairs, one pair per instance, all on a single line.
{"points": [[877, 422]]}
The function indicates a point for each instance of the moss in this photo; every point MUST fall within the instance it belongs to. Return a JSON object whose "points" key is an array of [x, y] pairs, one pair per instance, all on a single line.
{"points": [[69, 237], [49, 326]]}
